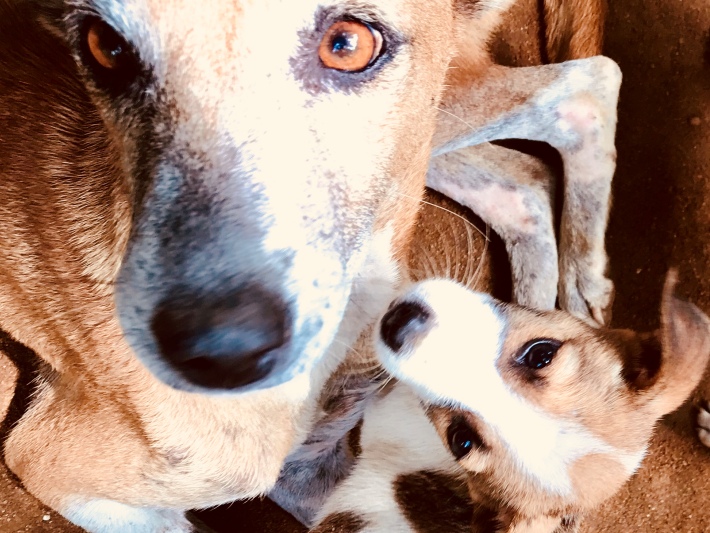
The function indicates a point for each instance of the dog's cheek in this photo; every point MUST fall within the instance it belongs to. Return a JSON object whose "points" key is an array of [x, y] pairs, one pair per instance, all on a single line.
{"points": [[596, 478]]}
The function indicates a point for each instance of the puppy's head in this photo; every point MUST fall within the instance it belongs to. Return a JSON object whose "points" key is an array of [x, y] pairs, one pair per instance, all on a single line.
{"points": [[548, 415], [265, 146]]}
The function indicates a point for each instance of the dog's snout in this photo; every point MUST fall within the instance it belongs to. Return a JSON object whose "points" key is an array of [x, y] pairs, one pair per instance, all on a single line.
{"points": [[226, 342], [404, 323]]}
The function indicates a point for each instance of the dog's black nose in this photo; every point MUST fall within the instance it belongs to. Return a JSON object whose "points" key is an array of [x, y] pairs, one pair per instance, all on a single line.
{"points": [[225, 342], [404, 323]]}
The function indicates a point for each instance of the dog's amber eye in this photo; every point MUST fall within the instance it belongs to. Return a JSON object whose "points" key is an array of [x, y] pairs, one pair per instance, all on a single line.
{"points": [[539, 353], [105, 45], [462, 438], [350, 46]]}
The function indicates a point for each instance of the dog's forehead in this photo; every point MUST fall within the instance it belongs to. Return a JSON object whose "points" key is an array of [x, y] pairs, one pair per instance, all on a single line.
{"points": [[220, 22], [216, 51]]}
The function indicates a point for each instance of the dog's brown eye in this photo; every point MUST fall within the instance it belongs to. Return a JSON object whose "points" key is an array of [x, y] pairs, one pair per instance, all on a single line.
{"points": [[105, 45], [462, 438], [539, 353], [350, 46]]}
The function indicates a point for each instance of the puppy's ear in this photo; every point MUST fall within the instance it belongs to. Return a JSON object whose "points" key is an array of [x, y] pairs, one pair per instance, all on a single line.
{"points": [[666, 366]]}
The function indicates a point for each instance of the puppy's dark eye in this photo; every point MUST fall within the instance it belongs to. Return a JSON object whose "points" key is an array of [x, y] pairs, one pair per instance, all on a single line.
{"points": [[350, 46], [539, 353], [108, 55], [462, 438]]}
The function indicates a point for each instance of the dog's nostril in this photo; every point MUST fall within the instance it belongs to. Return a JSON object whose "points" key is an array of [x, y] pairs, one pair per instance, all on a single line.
{"points": [[403, 323], [222, 342]]}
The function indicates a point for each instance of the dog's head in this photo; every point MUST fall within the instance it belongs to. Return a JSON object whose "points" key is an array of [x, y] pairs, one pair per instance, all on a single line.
{"points": [[548, 415], [265, 145]]}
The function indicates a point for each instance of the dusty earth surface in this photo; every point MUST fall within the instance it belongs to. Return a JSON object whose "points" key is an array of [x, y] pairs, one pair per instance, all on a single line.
{"points": [[660, 218]]}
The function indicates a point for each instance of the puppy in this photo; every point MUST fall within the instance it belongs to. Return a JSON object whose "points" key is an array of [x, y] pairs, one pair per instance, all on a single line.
{"points": [[538, 417], [206, 204]]}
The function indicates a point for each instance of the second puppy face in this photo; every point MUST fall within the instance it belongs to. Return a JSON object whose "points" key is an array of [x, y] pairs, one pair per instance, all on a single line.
{"points": [[548, 415]]}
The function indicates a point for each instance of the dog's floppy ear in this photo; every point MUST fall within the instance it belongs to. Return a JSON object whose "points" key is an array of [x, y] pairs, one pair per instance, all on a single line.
{"points": [[666, 366]]}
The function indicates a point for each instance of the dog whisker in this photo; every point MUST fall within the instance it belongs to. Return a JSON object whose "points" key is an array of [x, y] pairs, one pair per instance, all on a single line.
{"points": [[427, 262], [456, 117], [429, 265], [473, 282], [446, 210], [456, 262]]}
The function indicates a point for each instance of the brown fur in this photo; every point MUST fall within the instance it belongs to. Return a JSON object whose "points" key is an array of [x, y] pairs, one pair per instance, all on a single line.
{"points": [[420, 494], [573, 28]]}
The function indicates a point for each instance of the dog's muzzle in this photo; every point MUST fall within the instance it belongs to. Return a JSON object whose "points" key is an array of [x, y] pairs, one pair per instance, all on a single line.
{"points": [[223, 342]]}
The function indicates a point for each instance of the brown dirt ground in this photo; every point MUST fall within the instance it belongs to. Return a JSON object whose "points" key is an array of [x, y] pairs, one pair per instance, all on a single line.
{"points": [[660, 218]]}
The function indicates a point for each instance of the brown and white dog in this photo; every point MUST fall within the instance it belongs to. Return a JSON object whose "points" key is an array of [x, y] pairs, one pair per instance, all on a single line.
{"points": [[205, 204], [541, 417]]}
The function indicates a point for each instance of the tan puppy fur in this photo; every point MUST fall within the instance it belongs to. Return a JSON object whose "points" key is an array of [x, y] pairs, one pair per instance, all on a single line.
{"points": [[542, 418]]}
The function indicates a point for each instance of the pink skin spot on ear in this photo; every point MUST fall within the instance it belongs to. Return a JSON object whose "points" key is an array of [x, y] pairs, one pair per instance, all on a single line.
{"points": [[580, 114]]}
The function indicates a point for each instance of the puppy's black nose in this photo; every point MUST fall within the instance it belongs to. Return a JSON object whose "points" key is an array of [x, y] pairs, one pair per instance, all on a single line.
{"points": [[404, 323], [223, 342]]}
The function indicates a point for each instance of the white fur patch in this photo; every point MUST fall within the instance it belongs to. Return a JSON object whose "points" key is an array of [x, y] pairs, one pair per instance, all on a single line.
{"points": [[456, 364], [397, 438], [108, 516], [373, 289]]}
